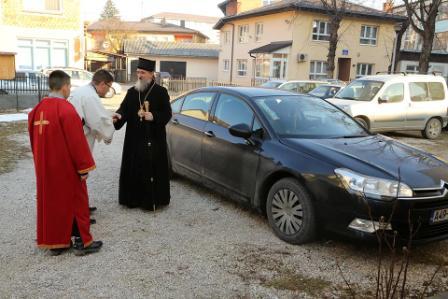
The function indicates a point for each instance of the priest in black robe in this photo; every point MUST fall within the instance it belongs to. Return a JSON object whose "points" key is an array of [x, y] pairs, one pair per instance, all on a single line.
{"points": [[146, 109]]}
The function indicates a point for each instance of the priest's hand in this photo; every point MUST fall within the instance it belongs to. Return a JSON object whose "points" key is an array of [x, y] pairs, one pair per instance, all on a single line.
{"points": [[148, 116], [116, 117], [84, 177]]}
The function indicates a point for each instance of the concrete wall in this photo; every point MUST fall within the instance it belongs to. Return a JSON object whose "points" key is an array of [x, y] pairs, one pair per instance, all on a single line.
{"points": [[11, 101]]}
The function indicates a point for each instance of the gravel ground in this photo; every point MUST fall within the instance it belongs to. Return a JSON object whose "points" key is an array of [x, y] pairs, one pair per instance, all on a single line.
{"points": [[201, 246]]}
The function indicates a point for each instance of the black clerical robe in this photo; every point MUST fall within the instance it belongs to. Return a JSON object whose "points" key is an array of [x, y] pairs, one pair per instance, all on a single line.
{"points": [[144, 175]]}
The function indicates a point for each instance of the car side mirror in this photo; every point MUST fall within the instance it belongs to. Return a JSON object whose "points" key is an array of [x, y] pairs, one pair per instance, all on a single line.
{"points": [[383, 99], [240, 130]]}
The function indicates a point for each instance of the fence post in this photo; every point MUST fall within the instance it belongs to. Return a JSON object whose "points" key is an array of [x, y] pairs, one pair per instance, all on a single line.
{"points": [[17, 93]]}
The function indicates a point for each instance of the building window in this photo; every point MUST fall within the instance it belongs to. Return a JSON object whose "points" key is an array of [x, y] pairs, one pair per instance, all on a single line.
{"points": [[368, 35], [42, 5], [37, 54], [226, 65], [243, 34], [262, 66], [226, 37], [364, 69], [412, 40], [242, 67], [318, 70], [258, 31], [413, 69], [321, 30]]}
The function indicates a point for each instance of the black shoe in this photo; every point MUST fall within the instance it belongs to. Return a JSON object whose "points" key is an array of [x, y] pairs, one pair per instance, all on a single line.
{"points": [[92, 209], [57, 251], [92, 221], [80, 250]]}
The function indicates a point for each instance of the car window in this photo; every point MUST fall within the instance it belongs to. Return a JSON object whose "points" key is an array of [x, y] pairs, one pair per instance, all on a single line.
{"points": [[306, 117], [76, 75], [436, 91], [360, 90], [290, 86], [394, 93], [176, 105], [231, 110], [320, 91], [197, 105], [87, 76]]}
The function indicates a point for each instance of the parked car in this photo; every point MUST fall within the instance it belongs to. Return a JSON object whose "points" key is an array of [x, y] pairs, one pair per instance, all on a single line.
{"points": [[162, 78], [336, 82], [325, 91], [305, 164], [301, 86], [272, 83], [80, 77], [397, 103]]}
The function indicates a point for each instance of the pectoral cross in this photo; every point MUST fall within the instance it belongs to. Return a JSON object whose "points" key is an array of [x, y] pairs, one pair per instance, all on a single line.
{"points": [[41, 122]]}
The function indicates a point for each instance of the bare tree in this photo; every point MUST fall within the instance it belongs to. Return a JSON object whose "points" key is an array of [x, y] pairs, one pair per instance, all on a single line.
{"points": [[422, 16], [335, 11]]}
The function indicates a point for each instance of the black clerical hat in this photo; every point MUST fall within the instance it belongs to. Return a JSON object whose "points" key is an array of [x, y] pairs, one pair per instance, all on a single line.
{"points": [[147, 65]]}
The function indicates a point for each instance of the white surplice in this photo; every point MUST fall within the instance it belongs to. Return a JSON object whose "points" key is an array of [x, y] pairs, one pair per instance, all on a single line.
{"points": [[97, 120]]}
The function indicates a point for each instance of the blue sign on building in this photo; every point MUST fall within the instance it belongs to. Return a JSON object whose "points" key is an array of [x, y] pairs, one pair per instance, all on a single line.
{"points": [[344, 51]]}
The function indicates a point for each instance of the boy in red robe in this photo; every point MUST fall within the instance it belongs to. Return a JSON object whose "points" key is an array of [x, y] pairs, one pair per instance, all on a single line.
{"points": [[62, 161]]}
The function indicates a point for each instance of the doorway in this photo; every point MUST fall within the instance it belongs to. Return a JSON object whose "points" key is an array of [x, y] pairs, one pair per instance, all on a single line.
{"points": [[344, 68]]}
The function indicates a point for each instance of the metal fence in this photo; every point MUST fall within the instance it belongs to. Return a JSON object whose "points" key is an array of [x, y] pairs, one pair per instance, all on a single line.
{"points": [[178, 86], [24, 91]]}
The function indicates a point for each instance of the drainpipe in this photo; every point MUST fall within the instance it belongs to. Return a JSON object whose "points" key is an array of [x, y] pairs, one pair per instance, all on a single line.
{"points": [[231, 52], [253, 68]]}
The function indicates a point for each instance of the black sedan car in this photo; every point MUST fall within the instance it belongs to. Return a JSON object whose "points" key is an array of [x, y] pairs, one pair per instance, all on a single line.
{"points": [[306, 164]]}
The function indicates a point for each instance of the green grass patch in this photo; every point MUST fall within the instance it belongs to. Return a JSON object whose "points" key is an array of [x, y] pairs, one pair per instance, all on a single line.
{"points": [[297, 282], [11, 150]]}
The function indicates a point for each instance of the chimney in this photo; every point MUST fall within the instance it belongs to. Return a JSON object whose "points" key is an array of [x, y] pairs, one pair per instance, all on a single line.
{"points": [[388, 6]]}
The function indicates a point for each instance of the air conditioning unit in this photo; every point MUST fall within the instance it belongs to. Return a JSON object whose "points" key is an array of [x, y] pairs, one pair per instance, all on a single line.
{"points": [[301, 57]]}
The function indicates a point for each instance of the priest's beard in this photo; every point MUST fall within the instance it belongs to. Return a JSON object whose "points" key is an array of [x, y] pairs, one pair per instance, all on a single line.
{"points": [[142, 84]]}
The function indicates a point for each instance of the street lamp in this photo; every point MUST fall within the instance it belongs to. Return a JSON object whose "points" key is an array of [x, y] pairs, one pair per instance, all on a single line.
{"points": [[397, 29]]}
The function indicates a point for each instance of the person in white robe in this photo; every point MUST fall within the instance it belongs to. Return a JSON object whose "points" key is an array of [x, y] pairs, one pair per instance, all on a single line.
{"points": [[97, 121]]}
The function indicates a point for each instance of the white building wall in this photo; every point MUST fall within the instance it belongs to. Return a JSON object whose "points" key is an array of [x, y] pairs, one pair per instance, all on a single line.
{"points": [[36, 34]]}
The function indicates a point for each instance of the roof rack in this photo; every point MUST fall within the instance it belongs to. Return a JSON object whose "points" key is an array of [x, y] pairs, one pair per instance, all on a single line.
{"points": [[392, 73]]}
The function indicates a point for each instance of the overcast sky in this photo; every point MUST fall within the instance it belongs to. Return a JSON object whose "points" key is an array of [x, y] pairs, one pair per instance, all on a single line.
{"points": [[134, 10]]}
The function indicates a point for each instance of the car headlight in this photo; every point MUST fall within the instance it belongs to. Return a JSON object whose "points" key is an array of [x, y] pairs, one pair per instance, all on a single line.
{"points": [[372, 187]]}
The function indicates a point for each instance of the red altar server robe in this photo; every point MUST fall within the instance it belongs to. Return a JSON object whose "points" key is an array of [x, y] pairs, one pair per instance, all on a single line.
{"points": [[61, 154]]}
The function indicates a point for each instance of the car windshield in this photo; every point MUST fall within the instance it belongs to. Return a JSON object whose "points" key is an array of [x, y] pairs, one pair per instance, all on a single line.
{"points": [[360, 90], [307, 117], [271, 84], [320, 91]]}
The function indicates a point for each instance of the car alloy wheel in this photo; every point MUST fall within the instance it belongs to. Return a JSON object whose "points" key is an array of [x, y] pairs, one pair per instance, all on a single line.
{"points": [[290, 211], [433, 129], [287, 211]]}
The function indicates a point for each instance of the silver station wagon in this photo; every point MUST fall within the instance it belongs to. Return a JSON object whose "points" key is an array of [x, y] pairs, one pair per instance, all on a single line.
{"points": [[397, 103]]}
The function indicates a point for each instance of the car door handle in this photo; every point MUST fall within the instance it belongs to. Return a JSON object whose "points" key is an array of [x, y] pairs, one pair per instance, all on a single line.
{"points": [[209, 134], [175, 121]]}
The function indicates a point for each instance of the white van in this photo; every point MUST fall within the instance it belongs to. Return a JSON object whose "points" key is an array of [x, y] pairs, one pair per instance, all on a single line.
{"points": [[397, 103]]}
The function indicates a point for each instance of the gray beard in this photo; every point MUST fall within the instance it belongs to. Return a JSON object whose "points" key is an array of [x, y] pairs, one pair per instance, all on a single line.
{"points": [[142, 85]]}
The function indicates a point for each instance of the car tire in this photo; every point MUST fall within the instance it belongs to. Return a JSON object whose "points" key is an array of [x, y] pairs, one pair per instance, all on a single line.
{"points": [[290, 212], [433, 129], [362, 122]]}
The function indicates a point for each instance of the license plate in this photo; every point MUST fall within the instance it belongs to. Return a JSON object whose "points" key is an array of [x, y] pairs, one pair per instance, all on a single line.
{"points": [[439, 216]]}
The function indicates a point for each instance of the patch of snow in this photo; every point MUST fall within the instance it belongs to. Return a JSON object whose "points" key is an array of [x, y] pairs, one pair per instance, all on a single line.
{"points": [[13, 117]]}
